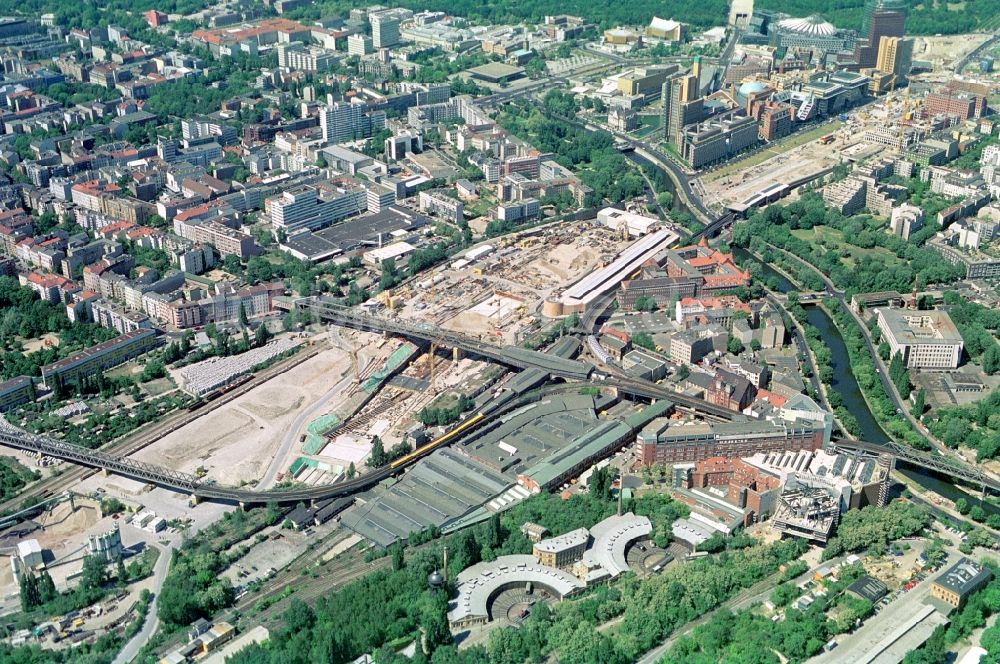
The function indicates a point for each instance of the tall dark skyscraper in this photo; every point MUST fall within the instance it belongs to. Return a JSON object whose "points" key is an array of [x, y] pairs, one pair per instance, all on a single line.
{"points": [[883, 18]]}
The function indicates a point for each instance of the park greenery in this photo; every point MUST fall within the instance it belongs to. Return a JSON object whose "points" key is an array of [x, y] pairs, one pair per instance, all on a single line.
{"points": [[978, 326], [824, 365], [975, 426], [923, 18], [865, 372], [24, 317], [871, 528], [440, 416], [591, 154], [748, 637], [194, 587], [897, 265], [390, 605]]}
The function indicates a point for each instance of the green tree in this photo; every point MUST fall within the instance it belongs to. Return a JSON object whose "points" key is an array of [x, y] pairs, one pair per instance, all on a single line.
{"points": [[121, 578], [398, 559], [46, 587], [991, 359], [244, 321], [600, 483], [734, 346], [643, 340], [95, 573], [919, 403], [30, 597], [899, 375], [261, 335], [645, 303], [377, 458], [434, 623]]}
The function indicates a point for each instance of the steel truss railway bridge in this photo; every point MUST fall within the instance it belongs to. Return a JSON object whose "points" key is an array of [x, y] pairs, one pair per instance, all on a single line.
{"points": [[572, 371]]}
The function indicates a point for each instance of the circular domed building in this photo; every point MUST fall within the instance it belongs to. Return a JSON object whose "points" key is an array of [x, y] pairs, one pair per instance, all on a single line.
{"points": [[812, 32]]}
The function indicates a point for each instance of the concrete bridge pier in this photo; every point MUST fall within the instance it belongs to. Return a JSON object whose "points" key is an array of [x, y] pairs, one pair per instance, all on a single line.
{"points": [[456, 354], [193, 500], [104, 472]]}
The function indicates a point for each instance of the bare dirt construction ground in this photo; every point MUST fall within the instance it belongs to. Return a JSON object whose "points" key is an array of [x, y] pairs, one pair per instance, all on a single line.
{"points": [[942, 51], [236, 442]]}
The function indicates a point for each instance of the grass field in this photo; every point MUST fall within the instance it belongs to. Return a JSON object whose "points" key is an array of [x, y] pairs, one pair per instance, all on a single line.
{"points": [[834, 239], [779, 147], [648, 124]]}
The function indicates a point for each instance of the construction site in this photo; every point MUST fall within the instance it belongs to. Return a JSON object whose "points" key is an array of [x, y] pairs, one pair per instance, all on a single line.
{"points": [[791, 162], [496, 291]]}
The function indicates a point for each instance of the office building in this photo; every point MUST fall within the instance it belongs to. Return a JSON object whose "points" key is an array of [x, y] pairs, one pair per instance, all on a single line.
{"points": [[895, 56], [964, 105], [882, 18], [682, 105], [775, 119], [359, 45], [717, 139], [310, 207], [660, 443], [924, 339], [385, 28], [397, 146], [622, 119], [811, 33], [344, 121], [905, 220], [380, 197]]}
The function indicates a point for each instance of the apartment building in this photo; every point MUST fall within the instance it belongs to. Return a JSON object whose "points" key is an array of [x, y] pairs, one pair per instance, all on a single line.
{"points": [[99, 358], [342, 121], [226, 240], [299, 57], [440, 204], [15, 392]]}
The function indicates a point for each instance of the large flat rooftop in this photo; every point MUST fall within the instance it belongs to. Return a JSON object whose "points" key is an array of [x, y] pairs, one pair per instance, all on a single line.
{"points": [[911, 327]]}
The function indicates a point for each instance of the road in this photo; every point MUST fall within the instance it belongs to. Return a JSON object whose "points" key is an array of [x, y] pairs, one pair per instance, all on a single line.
{"points": [[902, 405], [149, 434], [152, 622], [291, 434]]}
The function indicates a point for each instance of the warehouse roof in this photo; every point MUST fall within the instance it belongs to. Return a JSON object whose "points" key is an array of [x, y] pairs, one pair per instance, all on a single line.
{"points": [[612, 536], [439, 489], [479, 583]]}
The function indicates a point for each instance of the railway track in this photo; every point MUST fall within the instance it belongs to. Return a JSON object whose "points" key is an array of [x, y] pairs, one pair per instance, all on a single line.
{"points": [[148, 435]]}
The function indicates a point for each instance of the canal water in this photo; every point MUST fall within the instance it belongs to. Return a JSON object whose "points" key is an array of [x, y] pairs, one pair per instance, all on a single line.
{"points": [[847, 387]]}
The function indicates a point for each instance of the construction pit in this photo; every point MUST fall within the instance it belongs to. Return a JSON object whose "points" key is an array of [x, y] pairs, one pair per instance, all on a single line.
{"points": [[388, 413], [498, 295], [237, 442]]}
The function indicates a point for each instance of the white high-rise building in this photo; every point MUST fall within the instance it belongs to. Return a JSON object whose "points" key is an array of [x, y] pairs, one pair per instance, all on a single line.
{"points": [[305, 207], [385, 28], [345, 122]]}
